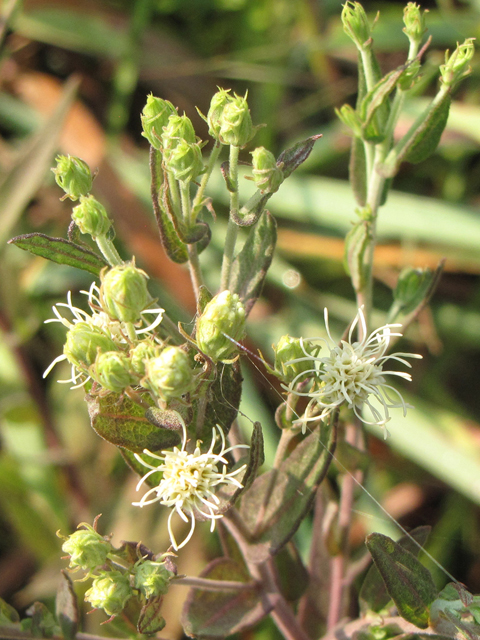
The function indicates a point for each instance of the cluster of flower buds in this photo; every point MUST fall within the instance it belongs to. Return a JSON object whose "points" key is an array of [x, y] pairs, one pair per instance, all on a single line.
{"points": [[229, 119], [116, 578]]}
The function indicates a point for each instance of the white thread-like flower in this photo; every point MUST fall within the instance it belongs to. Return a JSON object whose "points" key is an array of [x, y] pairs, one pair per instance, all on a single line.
{"points": [[352, 374], [189, 482], [98, 319]]}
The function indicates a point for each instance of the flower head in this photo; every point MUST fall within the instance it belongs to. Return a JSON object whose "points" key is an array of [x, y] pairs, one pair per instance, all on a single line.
{"points": [[189, 481], [98, 320], [352, 374]]}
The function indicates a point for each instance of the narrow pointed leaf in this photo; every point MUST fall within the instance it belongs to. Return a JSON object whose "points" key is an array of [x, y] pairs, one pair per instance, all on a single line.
{"points": [[356, 243], [151, 620], [60, 251], [409, 583], [250, 266], [278, 500], [358, 171]]}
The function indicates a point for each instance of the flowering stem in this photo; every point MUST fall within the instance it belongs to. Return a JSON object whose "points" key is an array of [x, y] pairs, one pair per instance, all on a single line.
{"points": [[208, 172], [108, 250], [232, 228]]}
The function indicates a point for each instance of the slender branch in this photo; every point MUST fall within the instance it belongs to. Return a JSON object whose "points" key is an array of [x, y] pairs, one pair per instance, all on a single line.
{"points": [[108, 250], [232, 228], [214, 585]]}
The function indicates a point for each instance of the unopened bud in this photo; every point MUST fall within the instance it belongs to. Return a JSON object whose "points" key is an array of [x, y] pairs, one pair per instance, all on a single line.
{"points": [[112, 370], [110, 591], [236, 126], [169, 374], [143, 351], [84, 342], [223, 319], [184, 161], [73, 176], [267, 175], [355, 24], [91, 217], [178, 128], [87, 548], [152, 578], [124, 292], [217, 105], [457, 65], [414, 21], [292, 357], [154, 117]]}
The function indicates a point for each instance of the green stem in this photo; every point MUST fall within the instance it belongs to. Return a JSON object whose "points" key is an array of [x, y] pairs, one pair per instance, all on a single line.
{"points": [[206, 176], [195, 269], [232, 228], [108, 250]]}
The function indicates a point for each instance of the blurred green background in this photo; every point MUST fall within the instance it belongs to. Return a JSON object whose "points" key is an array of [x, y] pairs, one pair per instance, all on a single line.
{"points": [[74, 78]]}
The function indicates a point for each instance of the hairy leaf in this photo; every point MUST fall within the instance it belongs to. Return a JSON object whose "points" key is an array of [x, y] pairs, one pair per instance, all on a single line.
{"points": [[60, 251], [151, 620]]}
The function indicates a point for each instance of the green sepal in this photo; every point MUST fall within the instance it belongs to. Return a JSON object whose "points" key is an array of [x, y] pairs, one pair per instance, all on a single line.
{"points": [[279, 500], [218, 614], [60, 251], [250, 266], [373, 595], [408, 582], [357, 170], [66, 607], [150, 620], [121, 422], [357, 241]]}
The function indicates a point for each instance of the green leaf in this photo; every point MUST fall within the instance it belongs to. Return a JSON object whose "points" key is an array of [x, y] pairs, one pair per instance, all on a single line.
{"points": [[292, 575], [123, 423], [408, 582], [60, 251], [278, 500], [357, 241], [43, 622], [358, 171], [223, 400], [150, 620], [175, 249], [373, 594], [414, 288], [294, 156], [427, 136], [250, 266], [217, 614], [19, 184], [66, 607]]}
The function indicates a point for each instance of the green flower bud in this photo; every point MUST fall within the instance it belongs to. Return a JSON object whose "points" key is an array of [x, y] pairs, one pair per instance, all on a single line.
{"points": [[222, 319], [154, 117], [177, 129], [73, 176], [267, 175], [355, 24], [351, 118], [83, 344], [169, 375], [152, 578], [184, 161], [124, 292], [91, 217], [217, 105], [457, 65], [112, 370], [292, 357], [236, 126], [110, 591], [143, 351], [414, 21], [87, 549]]}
